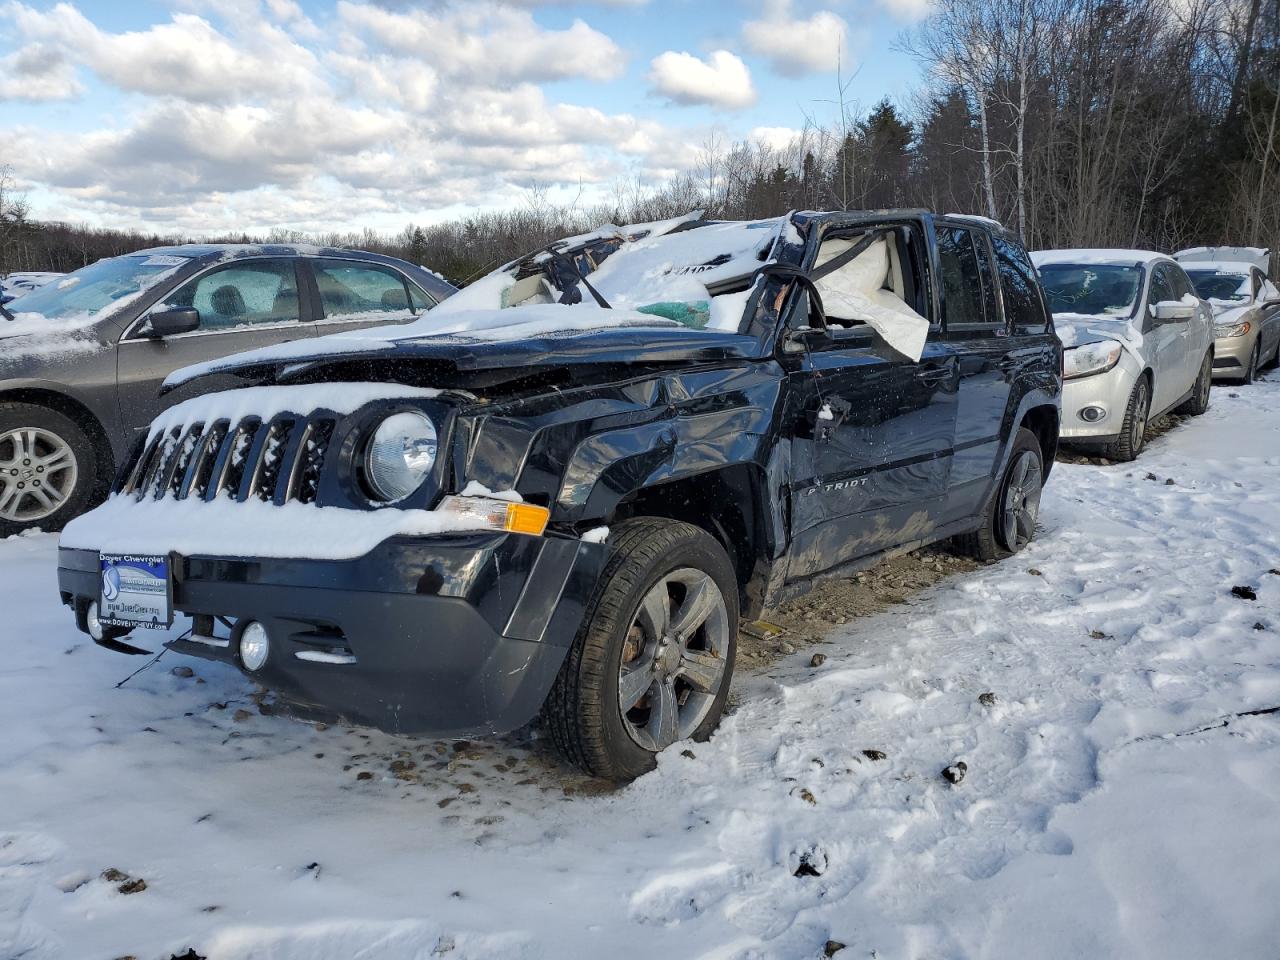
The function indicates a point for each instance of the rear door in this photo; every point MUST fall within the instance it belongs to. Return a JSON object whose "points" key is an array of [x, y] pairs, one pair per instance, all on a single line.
{"points": [[354, 294], [975, 326], [243, 305], [872, 432]]}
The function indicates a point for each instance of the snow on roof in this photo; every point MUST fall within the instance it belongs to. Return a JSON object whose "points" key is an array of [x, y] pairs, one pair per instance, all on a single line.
{"points": [[975, 218], [1098, 255], [1220, 266], [1259, 257]]}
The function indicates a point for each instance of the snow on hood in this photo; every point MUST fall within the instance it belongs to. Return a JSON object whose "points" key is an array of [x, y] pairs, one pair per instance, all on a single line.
{"points": [[461, 327], [1075, 329]]}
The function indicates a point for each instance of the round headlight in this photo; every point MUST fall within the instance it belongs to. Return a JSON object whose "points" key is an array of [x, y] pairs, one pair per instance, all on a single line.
{"points": [[401, 453], [253, 645]]}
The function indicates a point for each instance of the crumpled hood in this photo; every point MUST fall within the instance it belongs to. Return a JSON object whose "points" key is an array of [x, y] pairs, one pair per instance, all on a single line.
{"points": [[518, 338], [1074, 329]]}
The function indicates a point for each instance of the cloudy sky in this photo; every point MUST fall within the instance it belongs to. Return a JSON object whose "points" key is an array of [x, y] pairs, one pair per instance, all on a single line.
{"points": [[209, 115]]}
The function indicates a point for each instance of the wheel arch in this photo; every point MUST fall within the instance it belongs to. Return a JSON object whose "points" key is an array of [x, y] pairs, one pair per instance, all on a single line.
{"points": [[74, 409], [730, 503], [1044, 421]]}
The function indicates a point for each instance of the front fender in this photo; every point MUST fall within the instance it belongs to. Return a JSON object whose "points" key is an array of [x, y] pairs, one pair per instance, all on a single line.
{"points": [[713, 420]]}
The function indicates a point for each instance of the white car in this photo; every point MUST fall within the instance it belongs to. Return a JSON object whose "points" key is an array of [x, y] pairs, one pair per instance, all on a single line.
{"points": [[1138, 343], [1246, 307]]}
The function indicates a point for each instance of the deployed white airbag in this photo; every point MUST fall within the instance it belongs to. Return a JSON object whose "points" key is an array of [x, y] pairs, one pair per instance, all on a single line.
{"points": [[857, 292]]}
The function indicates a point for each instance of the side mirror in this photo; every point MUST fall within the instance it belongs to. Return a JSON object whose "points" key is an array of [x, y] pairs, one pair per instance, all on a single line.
{"points": [[174, 320], [1168, 311]]}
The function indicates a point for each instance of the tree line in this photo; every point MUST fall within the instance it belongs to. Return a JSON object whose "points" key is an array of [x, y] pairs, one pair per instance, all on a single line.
{"points": [[1094, 123]]}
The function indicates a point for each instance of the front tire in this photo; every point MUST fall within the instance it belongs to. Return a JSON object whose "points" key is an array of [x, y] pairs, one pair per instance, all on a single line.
{"points": [[48, 468], [1010, 516], [653, 660], [1198, 402], [1133, 431], [1255, 355]]}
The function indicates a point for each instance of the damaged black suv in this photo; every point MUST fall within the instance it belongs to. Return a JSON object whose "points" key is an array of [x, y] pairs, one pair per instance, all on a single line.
{"points": [[560, 491]]}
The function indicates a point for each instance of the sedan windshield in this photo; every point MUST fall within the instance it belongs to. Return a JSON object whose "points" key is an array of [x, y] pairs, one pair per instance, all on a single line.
{"points": [[92, 289], [1098, 290], [1216, 285]]}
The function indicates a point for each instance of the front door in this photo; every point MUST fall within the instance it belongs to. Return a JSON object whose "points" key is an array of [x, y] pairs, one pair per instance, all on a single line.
{"points": [[873, 433], [243, 305], [1168, 351]]}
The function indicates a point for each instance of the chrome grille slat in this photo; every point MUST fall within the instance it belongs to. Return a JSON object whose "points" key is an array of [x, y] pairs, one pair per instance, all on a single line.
{"points": [[270, 459], [277, 461]]}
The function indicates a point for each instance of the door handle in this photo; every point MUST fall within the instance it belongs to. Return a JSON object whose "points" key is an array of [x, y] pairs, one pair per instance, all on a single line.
{"points": [[933, 374]]}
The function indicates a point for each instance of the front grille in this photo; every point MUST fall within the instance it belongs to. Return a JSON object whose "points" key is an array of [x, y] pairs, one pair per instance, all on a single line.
{"points": [[278, 460]]}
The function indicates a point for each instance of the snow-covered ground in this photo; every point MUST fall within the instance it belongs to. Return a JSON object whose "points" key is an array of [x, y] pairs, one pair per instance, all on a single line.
{"points": [[1117, 802]]}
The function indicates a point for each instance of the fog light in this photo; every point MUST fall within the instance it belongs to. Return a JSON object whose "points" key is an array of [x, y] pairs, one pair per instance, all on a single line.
{"points": [[91, 621], [254, 645], [1092, 414]]}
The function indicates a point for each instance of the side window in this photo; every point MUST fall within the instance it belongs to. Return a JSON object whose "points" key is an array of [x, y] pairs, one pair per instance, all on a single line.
{"points": [[1257, 284], [1161, 288], [963, 302], [1023, 301], [242, 294], [352, 291], [419, 299]]}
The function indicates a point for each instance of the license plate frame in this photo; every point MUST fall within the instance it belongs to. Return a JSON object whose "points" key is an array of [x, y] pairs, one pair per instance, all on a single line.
{"points": [[135, 590]]}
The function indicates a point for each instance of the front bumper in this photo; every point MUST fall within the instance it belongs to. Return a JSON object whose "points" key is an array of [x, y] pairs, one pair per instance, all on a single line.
{"points": [[1231, 355], [454, 635], [1107, 393]]}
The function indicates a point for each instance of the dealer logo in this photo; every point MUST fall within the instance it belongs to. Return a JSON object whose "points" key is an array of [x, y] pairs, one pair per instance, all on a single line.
{"points": [[110, 583]]}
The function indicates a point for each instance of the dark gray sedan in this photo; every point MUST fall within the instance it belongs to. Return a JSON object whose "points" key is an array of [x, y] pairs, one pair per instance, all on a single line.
{"points": [[82, 359]]}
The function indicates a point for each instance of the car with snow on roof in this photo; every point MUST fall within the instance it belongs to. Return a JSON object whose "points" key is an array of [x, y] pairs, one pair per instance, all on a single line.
{"points": [[82, 358], [561, 492], [1246, 307], [1138, 340]]}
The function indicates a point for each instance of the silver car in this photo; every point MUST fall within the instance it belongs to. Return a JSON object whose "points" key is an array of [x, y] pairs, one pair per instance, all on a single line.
{"points": [[1246, 307], [1138, 340]]}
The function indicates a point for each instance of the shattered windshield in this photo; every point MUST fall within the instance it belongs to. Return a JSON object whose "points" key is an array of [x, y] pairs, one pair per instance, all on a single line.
{"points": [[1099, 290], [685, 270], [1216, 285], [92, 289]]}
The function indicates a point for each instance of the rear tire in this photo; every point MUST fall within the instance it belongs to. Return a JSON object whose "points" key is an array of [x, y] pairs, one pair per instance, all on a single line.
{"points": [[1198, 402], [1133, 431], [1015, 502], [663, 580], [48, 468]]}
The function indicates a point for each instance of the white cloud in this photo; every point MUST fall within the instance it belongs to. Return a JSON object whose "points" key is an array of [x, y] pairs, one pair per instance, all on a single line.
{"points": [[38, 73], [186, 57], [776, 138], [909, 10], [240, 118], [722, 80], [796, 45], [480, 41]]}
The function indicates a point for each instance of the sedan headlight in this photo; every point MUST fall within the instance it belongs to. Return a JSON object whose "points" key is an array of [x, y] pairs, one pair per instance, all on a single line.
{"points": [[1090, 358], [400, 454], [1231, 330]]}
